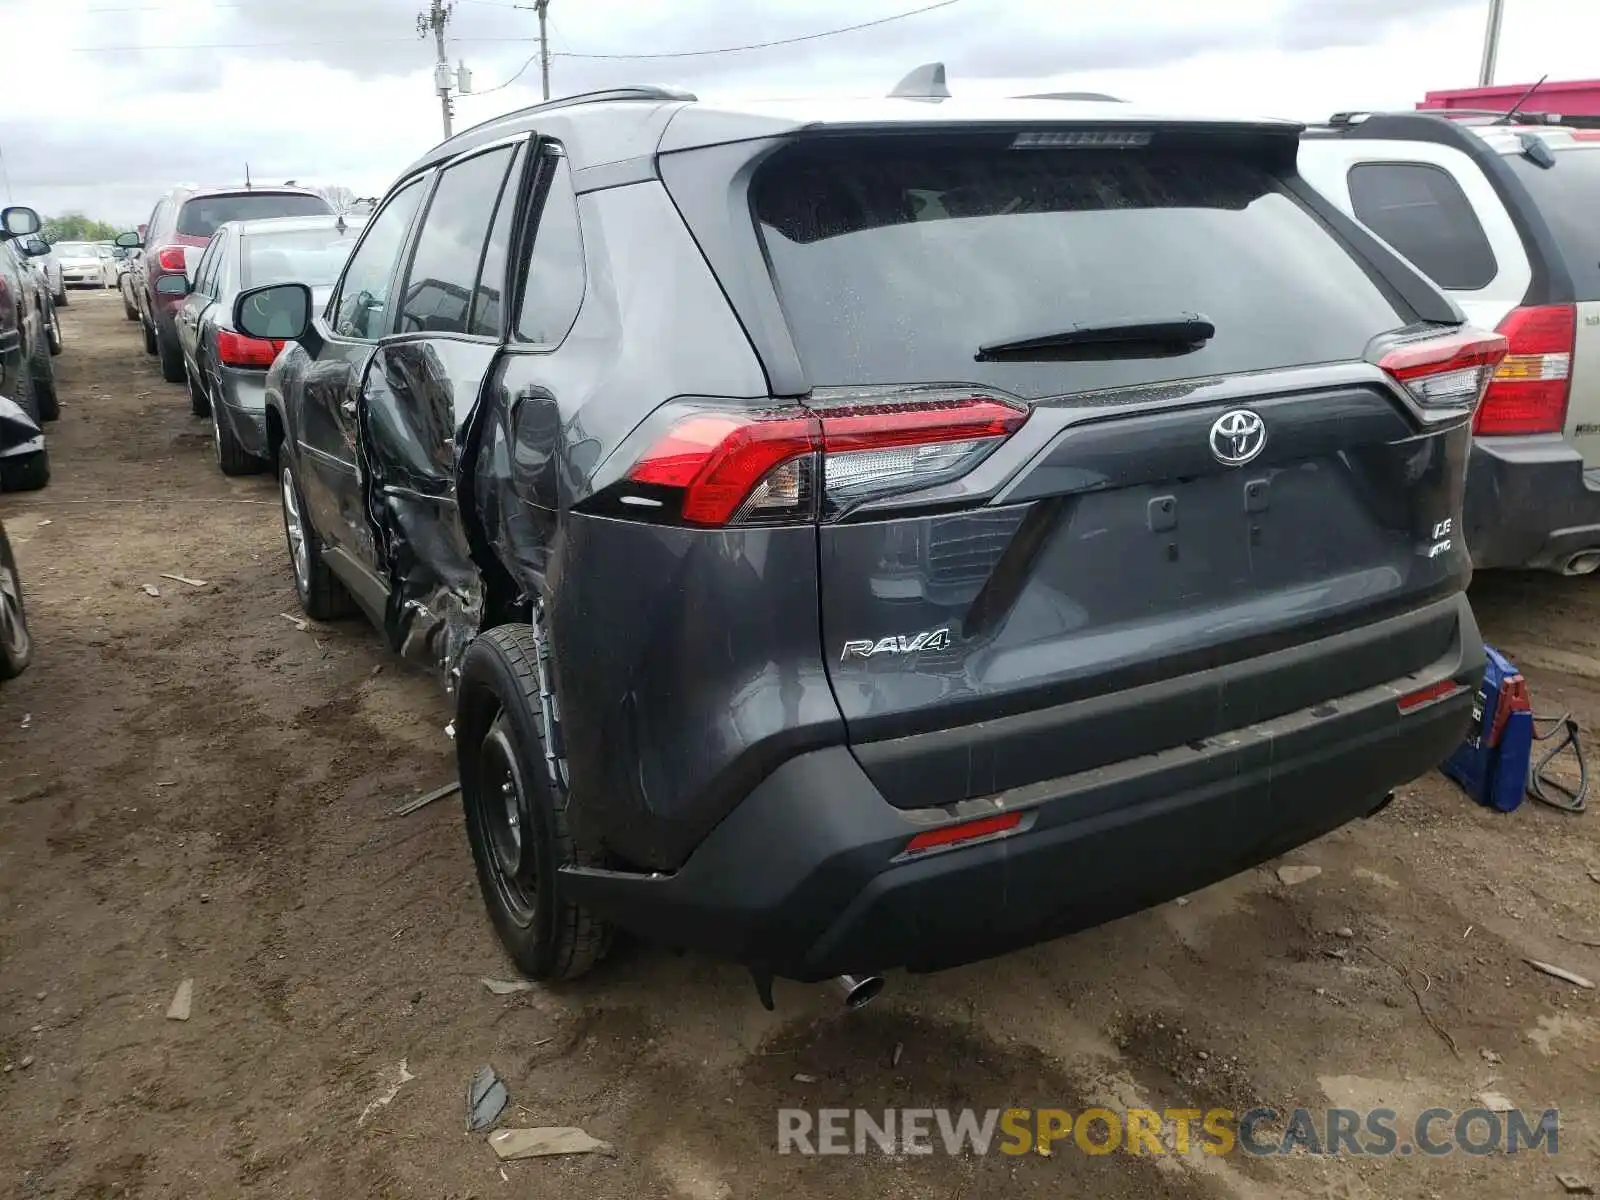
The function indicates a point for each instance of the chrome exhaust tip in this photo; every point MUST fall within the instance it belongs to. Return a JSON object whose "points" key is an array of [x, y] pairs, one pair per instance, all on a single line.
{"points": [[1585, 562], [859, 990]]}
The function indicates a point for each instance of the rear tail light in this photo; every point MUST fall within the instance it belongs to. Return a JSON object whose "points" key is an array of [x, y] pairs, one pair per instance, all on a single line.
{"points": [[1529, 391], [722, 467], [1446, 376], [172, 259], [236, 350]]}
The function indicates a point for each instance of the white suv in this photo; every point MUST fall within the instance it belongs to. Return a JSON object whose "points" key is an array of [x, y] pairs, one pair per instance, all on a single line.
{"points": [[1503, 217]]}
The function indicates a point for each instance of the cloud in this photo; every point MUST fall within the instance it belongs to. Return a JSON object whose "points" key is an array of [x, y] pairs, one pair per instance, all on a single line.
{"points": [[341, 90]]}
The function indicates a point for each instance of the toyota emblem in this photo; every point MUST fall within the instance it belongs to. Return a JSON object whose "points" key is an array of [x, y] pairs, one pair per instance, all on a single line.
{"points": [[1237, 436]]}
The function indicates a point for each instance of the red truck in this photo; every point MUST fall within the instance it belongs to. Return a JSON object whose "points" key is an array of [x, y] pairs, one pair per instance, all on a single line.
{"points": [[1574, 98]]}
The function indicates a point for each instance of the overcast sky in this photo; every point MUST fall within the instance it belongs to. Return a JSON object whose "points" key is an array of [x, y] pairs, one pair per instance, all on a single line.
{"points": [[115, 100]]}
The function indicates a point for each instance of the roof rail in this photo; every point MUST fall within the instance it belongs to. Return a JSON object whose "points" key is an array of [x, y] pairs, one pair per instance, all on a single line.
{"points": [[924, 83], [1475, 114], [644, 91], [1073, 96]]}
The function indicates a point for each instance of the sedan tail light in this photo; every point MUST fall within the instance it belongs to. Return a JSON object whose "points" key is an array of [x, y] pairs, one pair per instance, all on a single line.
{"points": [[716, 466], [1530, 388], [236, 350], [172, 259]]}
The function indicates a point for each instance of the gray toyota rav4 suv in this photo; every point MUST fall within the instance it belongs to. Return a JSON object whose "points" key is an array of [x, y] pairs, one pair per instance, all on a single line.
{"points": [[885, 534]]}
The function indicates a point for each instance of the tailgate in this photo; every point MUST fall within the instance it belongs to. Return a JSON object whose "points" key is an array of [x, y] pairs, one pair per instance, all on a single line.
{"points": [[1164, 510]]}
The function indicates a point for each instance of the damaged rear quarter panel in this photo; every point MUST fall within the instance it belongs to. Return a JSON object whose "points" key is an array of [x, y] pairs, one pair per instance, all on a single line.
{"points": [[685, 660]]}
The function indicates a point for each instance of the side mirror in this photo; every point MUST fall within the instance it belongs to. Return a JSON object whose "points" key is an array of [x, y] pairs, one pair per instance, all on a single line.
{"points": [[129, 240], [173, 285], [20, 222], [17, 428], [278, 312], [36, 247]]}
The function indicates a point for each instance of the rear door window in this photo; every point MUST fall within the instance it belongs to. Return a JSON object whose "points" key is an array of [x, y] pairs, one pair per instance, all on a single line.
{"points": [[1568, 194], [449, 253], [200, 216], [897, 257], [1421, 211], [556, 276]]}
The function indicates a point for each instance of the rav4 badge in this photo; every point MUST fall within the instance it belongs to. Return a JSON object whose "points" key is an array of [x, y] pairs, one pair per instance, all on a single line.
{"points": [[937, 639]]}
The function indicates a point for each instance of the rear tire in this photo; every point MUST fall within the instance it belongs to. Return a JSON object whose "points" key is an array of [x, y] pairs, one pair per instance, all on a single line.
{"points": [[233, 458], [171, 355], [149, 336], [26, 400], [62, 298], [199, 405], [16, 647], [56, 343], [26, 472], [44, 383], [321, 593], [128, 309], [516, 810]]}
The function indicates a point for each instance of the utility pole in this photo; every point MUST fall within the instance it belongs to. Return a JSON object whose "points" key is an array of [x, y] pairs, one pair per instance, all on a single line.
{"points": [[1491, 43], [541, 6], [433, 21]]}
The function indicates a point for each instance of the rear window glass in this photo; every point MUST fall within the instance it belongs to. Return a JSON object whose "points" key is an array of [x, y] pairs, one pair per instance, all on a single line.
{"points": [[1421, 211], [895, 260], [310, 256], [1568, 194], [201, 216]]}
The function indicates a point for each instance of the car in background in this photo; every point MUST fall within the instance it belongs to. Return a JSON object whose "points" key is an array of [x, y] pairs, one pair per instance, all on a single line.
{"points": [[126, 266], [884, 534], [46, 300], [1501, 211], [85, 264], [27, 369], [48, 265], [227, 370], [22, 461], [180, 225]]}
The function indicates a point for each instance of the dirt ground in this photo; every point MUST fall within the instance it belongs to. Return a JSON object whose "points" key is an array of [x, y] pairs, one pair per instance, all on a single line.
{"points": [[191, 787]]}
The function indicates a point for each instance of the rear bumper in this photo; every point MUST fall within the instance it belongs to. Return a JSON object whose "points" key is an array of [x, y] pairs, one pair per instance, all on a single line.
{"points": [[243, 407], [1527, 503], [808, 878]]}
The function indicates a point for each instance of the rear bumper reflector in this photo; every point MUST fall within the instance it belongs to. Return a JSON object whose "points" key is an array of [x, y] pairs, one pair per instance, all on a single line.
{"points": [[1432, 694]]}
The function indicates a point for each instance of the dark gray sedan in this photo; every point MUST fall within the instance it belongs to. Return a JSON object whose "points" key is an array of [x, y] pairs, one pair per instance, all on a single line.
{"points": [[227, 370]]}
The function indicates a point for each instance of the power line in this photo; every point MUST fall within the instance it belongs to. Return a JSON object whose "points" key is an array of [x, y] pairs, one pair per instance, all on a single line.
{"points": [[369, 41], [789, 41]]}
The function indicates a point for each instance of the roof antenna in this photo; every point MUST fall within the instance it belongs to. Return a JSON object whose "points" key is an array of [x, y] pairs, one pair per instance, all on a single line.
{"points": [[1517, 107], [247, 177], [924, 83]]}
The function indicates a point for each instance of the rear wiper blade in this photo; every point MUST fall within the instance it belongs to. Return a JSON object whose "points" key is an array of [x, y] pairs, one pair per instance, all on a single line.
{"points": [[1128, 336]]}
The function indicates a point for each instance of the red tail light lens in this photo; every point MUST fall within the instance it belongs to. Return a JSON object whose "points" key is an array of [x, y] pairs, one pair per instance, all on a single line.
{"points": [[1530, 387], [1446, 376], [172, 259], [740, 468], [236, 350]]}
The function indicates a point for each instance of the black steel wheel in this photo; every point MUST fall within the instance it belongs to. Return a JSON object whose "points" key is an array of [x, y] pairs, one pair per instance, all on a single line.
{"points": [[516, 804]]}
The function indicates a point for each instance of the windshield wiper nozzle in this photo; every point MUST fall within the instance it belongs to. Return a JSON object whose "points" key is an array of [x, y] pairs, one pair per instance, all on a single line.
{"points": [[1128, 337]]}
